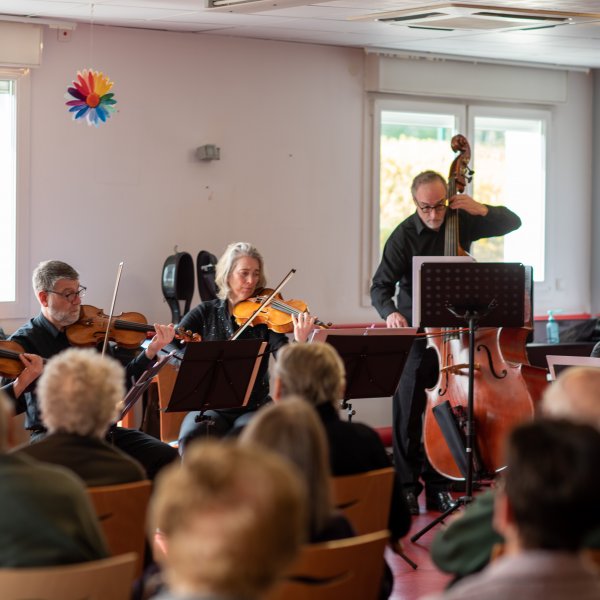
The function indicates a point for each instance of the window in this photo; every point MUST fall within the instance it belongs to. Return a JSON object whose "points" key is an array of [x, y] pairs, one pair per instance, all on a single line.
{"points": [[508, 157], [14, 192], [8, 160]]}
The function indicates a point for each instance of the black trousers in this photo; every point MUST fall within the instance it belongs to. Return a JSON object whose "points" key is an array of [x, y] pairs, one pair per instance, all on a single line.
{"points": [[410, 461], [213, 423], [150, 452]]}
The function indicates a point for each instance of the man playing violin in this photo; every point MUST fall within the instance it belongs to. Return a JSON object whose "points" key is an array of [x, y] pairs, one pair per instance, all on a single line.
{"points": [[57, 288], [239, 274], [422, 234]]}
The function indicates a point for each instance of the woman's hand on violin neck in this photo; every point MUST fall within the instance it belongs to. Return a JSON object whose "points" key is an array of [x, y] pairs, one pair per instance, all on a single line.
{"points": [[469, 205], [34, 365], [304, 323], [164, 335]]}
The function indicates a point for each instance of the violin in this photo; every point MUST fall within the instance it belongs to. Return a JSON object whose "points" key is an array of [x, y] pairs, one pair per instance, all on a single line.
{"points": [[128, 329], [277, 315], [10, 361]]}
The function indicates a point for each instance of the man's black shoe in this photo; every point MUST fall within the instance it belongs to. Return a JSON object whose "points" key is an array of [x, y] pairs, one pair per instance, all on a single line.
{"points": [[413, 504], [439, 501]]}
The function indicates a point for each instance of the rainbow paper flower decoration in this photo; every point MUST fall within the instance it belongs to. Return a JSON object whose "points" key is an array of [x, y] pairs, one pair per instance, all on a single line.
{"points": [[93, 99]]}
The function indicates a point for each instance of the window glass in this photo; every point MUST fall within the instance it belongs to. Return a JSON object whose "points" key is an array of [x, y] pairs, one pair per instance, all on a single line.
{"points": [[7, 190]]}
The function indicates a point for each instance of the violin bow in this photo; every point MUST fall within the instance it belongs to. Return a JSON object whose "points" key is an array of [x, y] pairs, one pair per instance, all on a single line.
{"points": [[264, 304], [112, 307]]}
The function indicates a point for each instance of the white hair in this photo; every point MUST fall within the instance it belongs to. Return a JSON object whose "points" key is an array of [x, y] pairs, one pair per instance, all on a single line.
{"points": [[81, 392]]}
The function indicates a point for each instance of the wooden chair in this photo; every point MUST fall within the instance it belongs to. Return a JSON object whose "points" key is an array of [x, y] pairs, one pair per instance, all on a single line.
{"points": [[121, 510], [169, 422], [365, 499], [349, 569], [106, 579]]}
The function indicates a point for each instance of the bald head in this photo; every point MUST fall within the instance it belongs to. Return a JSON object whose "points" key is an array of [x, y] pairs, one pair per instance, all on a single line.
{"points": [[575, 396]]}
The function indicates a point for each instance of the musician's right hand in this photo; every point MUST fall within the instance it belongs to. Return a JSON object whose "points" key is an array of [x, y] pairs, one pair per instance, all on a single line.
{"points": [[395, 319]]}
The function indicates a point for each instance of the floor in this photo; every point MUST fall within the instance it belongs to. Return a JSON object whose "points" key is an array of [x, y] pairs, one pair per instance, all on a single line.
{"points": [[410, 584]]}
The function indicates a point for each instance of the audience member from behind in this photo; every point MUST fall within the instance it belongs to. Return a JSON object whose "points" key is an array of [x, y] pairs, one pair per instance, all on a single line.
{"points": [[80, 394], [549, 502], [292, 429], [465, 546], [46, 517], [316, 373], [231, 519]]}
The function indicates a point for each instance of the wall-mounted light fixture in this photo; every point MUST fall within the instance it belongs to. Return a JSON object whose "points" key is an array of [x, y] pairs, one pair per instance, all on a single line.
{"points": [[208, 152]]}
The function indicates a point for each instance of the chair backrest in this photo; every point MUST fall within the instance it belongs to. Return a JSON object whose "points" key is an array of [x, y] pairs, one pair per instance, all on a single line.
{"points": [[365, 498], [169, 422], [349, 569], [106, 579], [121, 510]]}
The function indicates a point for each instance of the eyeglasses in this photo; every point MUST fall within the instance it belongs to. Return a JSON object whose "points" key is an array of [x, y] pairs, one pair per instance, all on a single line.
{"points": [[439, 207], [70, 296]]}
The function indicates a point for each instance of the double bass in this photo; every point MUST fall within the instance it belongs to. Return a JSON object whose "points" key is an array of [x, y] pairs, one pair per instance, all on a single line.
{"points": [[506, 387]]}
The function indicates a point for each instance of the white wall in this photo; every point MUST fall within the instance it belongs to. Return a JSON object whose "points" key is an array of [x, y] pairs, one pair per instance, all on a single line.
{"points": [[288, 120]]}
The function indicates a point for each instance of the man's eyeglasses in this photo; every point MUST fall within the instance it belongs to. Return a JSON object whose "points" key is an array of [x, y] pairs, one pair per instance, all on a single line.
{"points": [[70, 296], [439, 207]]}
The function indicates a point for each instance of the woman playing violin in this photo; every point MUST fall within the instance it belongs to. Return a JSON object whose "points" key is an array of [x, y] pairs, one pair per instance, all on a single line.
{"points": [[239, 274], [57, 288]]}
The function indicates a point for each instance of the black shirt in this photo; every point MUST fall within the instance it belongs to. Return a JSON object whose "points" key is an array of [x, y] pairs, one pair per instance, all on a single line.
{"points": [[213, 322], [413, 238], [40, 337]]}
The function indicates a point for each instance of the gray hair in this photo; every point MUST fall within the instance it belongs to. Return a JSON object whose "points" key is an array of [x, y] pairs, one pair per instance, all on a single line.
{"points": [[314, 371], [424, 178], [48, 272], [80, 391], [227, 263]]}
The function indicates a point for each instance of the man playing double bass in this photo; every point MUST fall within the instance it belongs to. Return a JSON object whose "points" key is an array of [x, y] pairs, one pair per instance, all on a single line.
{"points": [[423, 234]]}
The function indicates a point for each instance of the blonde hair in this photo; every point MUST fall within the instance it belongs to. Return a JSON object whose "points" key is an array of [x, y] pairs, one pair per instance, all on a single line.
{"points": [[314, 371], [232, 518], [575, 395], [81, 392], [293, 429], [227, 262]]}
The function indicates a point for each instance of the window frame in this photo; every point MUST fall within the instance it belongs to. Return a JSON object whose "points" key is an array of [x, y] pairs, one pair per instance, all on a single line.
{"points": [[544, 114], [466, 111], [19, 308]]}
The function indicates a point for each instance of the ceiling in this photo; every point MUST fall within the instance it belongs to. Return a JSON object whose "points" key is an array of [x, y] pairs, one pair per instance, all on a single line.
{"points": [[522, 32]]}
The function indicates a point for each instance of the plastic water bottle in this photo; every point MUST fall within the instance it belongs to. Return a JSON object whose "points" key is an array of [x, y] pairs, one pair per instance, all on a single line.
{"points": [[552, 332]]}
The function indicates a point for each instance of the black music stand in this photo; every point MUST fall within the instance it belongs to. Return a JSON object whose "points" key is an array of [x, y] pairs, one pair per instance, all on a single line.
{"points": [[216, 375], [141, 385], [488, 294], [373, 359]]}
